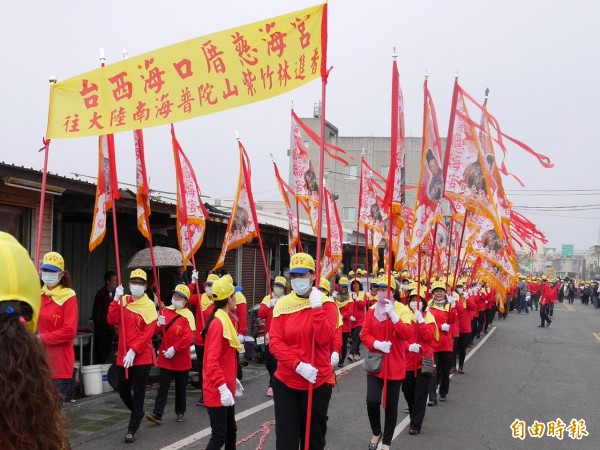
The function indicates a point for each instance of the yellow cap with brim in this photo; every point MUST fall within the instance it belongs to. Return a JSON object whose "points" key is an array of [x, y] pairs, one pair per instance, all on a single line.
{"points": [[280, 281], [222, 289], [182, 290], [211, 279], [138, 273], [438, 285], [302, 263], [325, 284], [344, 282], [415, 292], [229, 278], [53, 262]]}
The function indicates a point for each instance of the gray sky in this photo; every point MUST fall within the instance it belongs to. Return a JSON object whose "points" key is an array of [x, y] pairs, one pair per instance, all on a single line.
{"points": [[539, 58]]}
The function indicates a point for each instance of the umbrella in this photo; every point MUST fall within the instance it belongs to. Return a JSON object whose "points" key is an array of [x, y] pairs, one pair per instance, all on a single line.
{"points": [[163, 257]]}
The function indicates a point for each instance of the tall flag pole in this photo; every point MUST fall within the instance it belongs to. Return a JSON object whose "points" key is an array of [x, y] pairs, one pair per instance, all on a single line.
{"points": [[38, 244], [293, 229]]}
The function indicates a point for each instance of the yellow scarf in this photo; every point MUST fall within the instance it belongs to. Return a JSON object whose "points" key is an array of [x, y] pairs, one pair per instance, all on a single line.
{"points": [[429, 318], [206, 302], [186, 314], [239, 298], [445, 308], [144, 307], [229, 331], [59, 294], [291, 303], [342, 303]]}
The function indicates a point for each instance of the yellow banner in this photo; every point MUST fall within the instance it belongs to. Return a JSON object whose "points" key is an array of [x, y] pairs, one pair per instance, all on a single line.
{"points": [[201, 76]]}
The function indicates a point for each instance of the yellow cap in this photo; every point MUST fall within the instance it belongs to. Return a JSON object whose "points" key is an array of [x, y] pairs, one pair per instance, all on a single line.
{"points": [[416, 292], [351, 273], [302, 263], [222, 289], [413, 285], [343, 281], [19, 280], [182, 290], [212, 278], [381, 282], [53, 262], [138, 273], [438, 285], [281, 281], [405, 274], [228, 278], [544, 277], [325, 284], [363, 272], [381, 270]]}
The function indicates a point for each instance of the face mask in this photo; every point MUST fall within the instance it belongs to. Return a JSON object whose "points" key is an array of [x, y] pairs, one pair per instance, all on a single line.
{"points": [[136, 290], [50, 278], [413, 305], [209, 290], [460, 290], [301, 286], [178, 304], [381, 295], [278, 291]]}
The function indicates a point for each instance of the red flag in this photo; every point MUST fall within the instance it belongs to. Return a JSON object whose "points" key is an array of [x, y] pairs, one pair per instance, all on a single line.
{"points": [[243, 224], [370, 213], [333, 251], [293, 232], [107, 189], [191, 214], [142, 192]]}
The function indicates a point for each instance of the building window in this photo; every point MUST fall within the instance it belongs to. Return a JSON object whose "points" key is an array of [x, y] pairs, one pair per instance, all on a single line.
{"points": [[15, 221], [349, 214], [352, 171], [384, 171]]}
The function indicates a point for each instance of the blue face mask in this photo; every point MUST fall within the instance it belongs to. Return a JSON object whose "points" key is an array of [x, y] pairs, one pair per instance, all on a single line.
{"points": [[301, 286]]}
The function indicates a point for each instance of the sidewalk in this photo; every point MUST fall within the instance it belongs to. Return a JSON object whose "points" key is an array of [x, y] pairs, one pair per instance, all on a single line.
{"points": [[93, 417]]}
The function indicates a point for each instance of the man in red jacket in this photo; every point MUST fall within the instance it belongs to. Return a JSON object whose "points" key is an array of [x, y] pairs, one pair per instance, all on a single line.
{"points": [[464, 308]]}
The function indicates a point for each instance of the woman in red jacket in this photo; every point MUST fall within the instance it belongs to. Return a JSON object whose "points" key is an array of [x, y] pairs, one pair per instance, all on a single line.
{"points": [[416, 384], [465, 306], [204, 307], [57, 323], [346, 308], [385, 333], [221, 347], [302, 334], [177, 325], [136, 354], [442, 307], [359, 305]]}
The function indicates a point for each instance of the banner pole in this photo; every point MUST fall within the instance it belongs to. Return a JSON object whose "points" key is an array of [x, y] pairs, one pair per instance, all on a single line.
{"points": [[38, 244], [449, 249]]}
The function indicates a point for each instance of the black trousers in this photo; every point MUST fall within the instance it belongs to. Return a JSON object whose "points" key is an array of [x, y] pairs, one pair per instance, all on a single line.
{"points": [[270, 364], [290, 416], [474, 327], [181, 380], [454, 352], [441, 374], [481, 323], [103, 340], [544, 315], [355, 347], [200, 359], [463, 342], [133, 391], [374, 395], [415, 389], [223, 428], [345, 337]]}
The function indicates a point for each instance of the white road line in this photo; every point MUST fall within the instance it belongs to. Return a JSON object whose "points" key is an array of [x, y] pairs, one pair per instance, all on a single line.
{"points": [[248, 412], [402, 425]]}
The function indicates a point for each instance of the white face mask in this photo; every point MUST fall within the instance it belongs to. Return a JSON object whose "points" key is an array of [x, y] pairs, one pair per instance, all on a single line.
{"points": [[137, 290], [51, 279], [278, 291], [301, 286], [413, 305], [209, 290], [460, 290], [381, 295], [178, 304]]}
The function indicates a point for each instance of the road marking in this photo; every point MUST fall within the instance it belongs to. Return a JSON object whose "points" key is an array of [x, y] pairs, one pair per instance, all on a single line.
{"points": [[597, 336], [569, 307], [207, 431], [402, 425]]}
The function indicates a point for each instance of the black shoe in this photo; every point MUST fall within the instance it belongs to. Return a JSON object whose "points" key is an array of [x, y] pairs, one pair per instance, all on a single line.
{"points": [[154, 419], [460, 370], [413, 431], [129, 438], [432, 403], [340, 364], [180, 418], [443, 398], [540, 326], [548, 324], [374, 446], [406, 410]]}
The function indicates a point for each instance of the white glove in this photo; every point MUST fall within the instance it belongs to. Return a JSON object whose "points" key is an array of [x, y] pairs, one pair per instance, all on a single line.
{"points": [[161, 321], [352, 319], [241, 338], [119, 291], [128, 359], [452, 300], [272, 303], [315, 298], [335, 295], [382, 346], [226, 397], [194, 276], [419, 316], [169, 353], [445, 327], [486, 302], [307, 372], [239, 389], [354, 297], [389, 310], [335, 358], [415, 348]]}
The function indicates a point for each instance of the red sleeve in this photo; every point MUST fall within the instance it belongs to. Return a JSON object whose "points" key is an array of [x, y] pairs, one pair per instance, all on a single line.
{"points": [[337, 341], [403, 330], [114, 315], [425, 333], [141, 339], [347, 312], [212, 350], [263, 311], [471, 305], [324, 322], [68, 331], [365, 334], [194, 299], [286, 355], [452, 316], [242, 314]]}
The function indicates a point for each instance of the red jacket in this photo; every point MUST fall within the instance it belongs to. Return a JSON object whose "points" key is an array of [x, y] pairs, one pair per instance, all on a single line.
{"points": [[359, 310], [138, 334], [195, 301], [291, 343], [534, 287], [57, 326], [394, 363], [346, 312], [549, 294], [220, 365], [180, 337], [465, 314], [240, 317], [442, 316], [265, 313], [420, 334]]}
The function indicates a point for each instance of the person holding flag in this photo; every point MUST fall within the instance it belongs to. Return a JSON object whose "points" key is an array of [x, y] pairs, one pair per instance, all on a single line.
{"points": [[464, 308], [265, 312], [204, 307], [359, 311], [301, 338], [220, 367], [136, 327], [346, 310], [385, 330], [177, 326]]}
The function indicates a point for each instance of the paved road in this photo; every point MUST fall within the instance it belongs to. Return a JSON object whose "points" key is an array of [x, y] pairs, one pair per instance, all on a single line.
{"points": [[519, 371]]}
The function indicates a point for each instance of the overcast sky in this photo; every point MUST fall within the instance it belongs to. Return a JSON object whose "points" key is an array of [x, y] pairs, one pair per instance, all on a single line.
{"points": [[539, 59]]}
